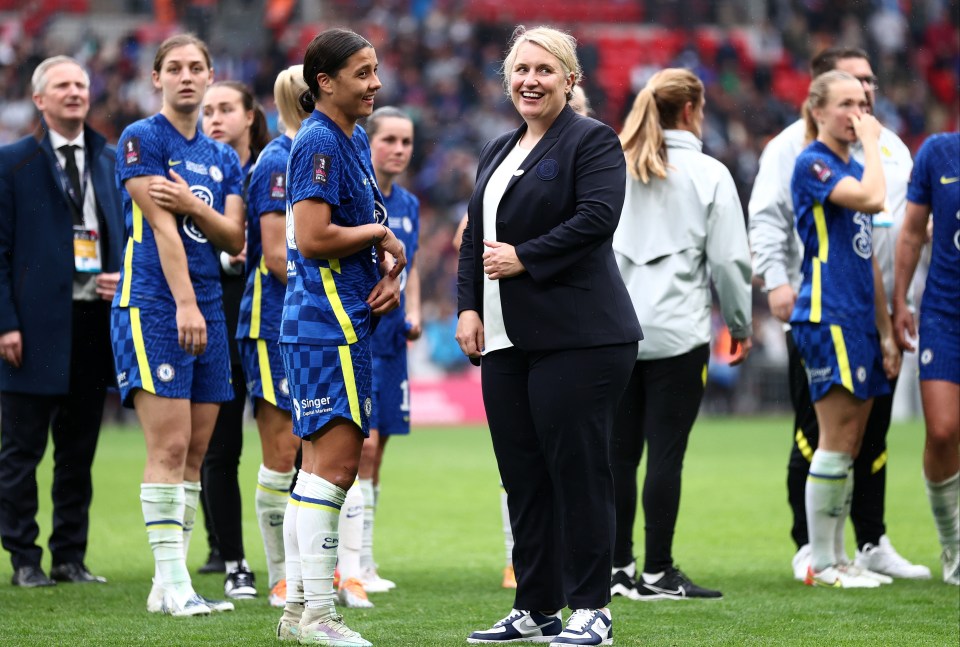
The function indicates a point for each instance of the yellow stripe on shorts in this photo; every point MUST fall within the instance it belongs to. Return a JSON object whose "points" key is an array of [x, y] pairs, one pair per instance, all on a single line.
{"points": [[146, 375], [703, 375], [804, 445], [330, 288], [846, 377], [266, 377], [350, 383], [878, 464], [257, 299]]}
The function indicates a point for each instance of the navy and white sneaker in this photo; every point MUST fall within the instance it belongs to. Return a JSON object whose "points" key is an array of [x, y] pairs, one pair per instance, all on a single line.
{"points": [[521, 627], [586, 627]]}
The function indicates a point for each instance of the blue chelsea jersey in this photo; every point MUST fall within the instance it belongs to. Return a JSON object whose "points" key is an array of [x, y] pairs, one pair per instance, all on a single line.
{"points": [[262, 303], [153, 146], [837, 268], [936, 182], [325, 301], [403, 215]]}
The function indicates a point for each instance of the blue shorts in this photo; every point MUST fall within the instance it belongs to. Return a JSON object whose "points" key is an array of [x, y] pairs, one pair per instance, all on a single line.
{"points": [[835, 355], [391, 395], [939, 348], [263, 370], [329, 382], [148, 356]]}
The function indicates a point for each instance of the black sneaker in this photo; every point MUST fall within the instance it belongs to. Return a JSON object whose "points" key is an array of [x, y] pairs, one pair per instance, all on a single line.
{"points": [[214, 563], [622, 582], [673, 585], [240, 584]]}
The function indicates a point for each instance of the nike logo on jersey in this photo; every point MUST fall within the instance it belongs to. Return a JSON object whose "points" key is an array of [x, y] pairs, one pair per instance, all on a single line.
{"points": [[948, 180], [174, 163]]}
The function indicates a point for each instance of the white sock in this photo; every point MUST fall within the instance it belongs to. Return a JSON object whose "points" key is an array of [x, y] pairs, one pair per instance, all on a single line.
{"points": [[839, 536], [291, 547], [369, 511], [351, 533], [945, 505], [162, 506], [826, 484], [507, 528], [191, 499], [270, 503], [318, 535]]}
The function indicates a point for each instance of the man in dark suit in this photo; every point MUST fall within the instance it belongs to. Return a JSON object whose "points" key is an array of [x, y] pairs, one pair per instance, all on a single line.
{"points": [[61, 235]]}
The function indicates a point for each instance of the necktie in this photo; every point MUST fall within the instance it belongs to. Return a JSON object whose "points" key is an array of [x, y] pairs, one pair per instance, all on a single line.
{"points": [[73, 175]]}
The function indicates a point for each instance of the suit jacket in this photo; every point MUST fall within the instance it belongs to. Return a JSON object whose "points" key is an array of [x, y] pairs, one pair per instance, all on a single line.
{"points": [[36, 255], [559, 211]]}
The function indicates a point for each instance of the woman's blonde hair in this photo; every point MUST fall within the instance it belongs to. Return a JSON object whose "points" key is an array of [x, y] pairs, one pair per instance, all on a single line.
{"points": [[286, 94], [818, 96], [559, 43], [658, 106]]}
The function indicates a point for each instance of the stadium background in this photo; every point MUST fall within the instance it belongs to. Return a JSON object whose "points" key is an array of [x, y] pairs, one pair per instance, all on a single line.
{"points": [[439, 60]]}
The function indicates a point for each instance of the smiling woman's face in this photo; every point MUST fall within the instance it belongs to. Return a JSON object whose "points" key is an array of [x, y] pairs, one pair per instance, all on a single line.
{"points": [[538, 85]]}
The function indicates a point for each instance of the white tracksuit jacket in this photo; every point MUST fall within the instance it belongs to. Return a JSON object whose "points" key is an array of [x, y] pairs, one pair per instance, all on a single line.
{"points": [[674, 234]]}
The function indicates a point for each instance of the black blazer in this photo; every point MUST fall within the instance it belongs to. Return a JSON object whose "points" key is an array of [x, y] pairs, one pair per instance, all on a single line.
{"points": [[559, 212], [36, 255]]}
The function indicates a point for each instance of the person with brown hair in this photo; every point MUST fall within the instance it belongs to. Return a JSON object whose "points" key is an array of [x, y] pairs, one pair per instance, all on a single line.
{"points": [[182, 198], [343, 272], [776, 258], [232, 116], [682, 225], [840, 322]]}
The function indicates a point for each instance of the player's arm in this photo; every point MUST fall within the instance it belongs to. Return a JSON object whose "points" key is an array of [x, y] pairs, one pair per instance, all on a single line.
{"points": [[191, 326], [909, 247], [223, 231], [888, 346], [318, 237], [274, 242], [412, 293], [870, 193]]}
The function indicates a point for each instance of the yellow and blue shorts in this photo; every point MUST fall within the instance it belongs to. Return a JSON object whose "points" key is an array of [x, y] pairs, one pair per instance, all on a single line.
{"points": [[147, 355], [939, 348], [329, 382], [837, 355], [264, 372], [391, 394]]}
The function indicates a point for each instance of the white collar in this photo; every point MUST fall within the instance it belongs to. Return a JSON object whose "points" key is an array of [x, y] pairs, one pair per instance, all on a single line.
{"points": [[57, 140], [675, 138]]}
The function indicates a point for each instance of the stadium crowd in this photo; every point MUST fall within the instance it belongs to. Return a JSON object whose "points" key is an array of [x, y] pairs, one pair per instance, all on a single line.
{"points": [[439, 60], [325, 233]]}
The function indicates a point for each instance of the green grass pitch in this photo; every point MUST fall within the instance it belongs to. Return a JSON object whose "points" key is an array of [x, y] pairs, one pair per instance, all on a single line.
{"points": [[438, 536]]}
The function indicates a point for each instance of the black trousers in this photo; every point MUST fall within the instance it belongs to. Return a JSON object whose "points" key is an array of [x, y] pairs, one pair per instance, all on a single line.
{"points": [[658, 409], [219, 481], [869, 468], [27, 420], [550, 416]]}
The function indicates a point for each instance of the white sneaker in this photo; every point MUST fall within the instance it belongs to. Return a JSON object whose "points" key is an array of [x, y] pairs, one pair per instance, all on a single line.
{"points": [[838, 578], [801, 562], [289, 626], [951, 566], [155, 599], [586, 627], [330, 631], [192, 606], [883, 558], [852, 569], [352, 595], [373, 583]]}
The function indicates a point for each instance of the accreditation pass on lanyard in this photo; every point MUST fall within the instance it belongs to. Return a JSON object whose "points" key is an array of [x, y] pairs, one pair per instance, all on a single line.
{"points": [[86, 250]]}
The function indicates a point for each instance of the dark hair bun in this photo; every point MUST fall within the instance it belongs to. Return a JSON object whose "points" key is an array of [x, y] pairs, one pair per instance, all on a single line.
{"points": [[306, 101]]}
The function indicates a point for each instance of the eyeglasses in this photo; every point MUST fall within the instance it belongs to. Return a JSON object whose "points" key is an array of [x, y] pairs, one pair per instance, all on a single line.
{"points": [[872, 81]]}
